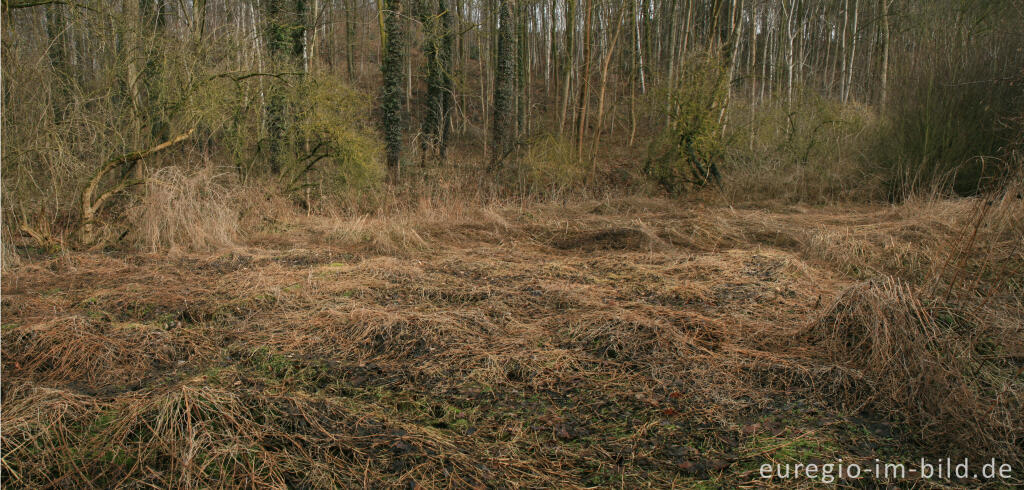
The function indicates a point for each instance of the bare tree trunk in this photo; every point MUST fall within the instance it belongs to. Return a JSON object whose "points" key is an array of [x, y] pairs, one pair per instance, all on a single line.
{"points": [[604, 85], [584, 99], [640, 56], [132, 50], [570, 52], [736, 36], [549, 45], [853, 53], [349, 40], [689, 26], [764, 62], [885, 53], [829, 72], [672, 44], [842, 52], [790, 36], [751, 74], [310, 51]]}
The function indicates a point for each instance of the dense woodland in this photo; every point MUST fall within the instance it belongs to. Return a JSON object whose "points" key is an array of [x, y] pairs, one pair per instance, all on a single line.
{"points": [[511, 243], [334, 102]]}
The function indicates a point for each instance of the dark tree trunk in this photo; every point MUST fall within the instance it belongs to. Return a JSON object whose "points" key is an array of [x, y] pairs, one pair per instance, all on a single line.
{"points": [[504, 71], [392, 99]]}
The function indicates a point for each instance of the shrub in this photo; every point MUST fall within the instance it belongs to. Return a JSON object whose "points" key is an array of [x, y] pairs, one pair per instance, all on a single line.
{"points": [[689, 148], [550, 164], [808, 151], [338, 147], [950, 121]]}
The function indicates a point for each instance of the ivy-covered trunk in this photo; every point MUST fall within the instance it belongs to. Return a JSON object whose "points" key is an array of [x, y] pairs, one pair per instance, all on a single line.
{"points": [[447, 64], [504, 71], [433, 98], [285, 34], [392, 98]]}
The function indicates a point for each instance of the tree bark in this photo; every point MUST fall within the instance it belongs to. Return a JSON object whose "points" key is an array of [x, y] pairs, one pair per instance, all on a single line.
{"points": [[584, 99], [91, 205], [885, 54], [604, 86], [504, 71], [392, 93], [853, 54]]}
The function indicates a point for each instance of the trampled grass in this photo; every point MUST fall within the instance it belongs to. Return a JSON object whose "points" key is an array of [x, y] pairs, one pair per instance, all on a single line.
{"points": [[623, 343]]}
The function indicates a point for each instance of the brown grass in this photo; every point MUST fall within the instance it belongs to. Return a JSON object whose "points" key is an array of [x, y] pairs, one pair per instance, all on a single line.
{"points": [[944, 369], [181, 210], [624, 342]]}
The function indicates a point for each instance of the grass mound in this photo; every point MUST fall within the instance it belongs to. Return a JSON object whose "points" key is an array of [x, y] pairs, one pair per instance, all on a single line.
{"points": [[95, 356], [609, 239], [944, 369]]}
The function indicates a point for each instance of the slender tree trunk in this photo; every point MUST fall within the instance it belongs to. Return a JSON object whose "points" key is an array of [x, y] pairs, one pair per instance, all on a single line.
{"points": [[885, 54], [549, 45], [752, 60], [672, 44], [842, 51], [57, 39], [132, 50], [689, 27], [570, 53], [382, 8], [640, 55], [790, 36], [752, 75], [310, 52], [350, 26], [764, 62], [734, 58], [604, 85], [853, 53], [584, 99]]}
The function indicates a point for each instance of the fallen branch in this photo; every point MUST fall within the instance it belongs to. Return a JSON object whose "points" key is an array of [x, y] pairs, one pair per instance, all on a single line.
{"points": [[91, 206], [238, 77], [29, 4], [43, 239], [313, 158]]}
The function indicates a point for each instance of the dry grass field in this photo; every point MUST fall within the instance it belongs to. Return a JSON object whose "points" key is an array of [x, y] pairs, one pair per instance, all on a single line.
{"points": [[621, 343]]}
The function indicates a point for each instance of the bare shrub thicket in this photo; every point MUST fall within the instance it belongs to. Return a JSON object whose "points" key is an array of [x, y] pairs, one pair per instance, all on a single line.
{"points": [[118, 81], [806, 152]]}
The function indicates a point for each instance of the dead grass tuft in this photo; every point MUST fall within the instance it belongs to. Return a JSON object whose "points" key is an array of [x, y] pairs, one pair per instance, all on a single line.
{"points": [[632, 336], [631, 238], [377, 235], [183, 211], [945, 370], [92, 354]]}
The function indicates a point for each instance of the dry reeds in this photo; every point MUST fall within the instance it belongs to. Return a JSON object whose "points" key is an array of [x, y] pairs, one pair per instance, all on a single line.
{"points": [[938, 368], [183, 211]]}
